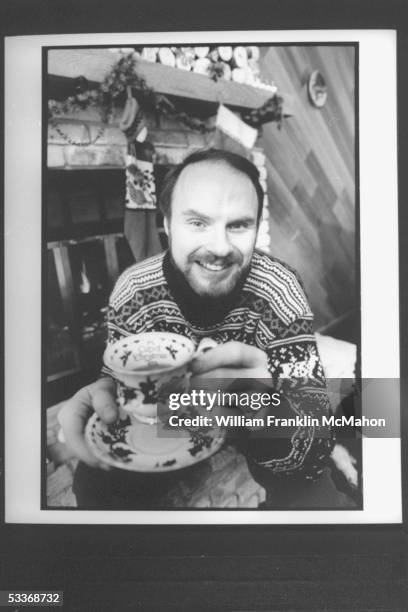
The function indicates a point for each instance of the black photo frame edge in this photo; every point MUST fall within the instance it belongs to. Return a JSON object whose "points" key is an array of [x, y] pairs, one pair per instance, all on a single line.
{"points": [[53, 545], [45, 50]]}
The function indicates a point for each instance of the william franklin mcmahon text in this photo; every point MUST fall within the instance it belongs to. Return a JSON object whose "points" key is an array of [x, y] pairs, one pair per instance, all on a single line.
{"points": [[239, 420]]}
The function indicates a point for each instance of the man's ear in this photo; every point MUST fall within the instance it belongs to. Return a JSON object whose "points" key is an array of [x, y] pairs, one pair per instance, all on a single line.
{"points": [[166, 225]]}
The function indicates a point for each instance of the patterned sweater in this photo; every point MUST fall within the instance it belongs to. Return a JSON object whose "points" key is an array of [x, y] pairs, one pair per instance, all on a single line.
{"points": [[269, 311]]}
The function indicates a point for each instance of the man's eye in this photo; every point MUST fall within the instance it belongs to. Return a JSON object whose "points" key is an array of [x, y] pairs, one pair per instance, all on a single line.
{"points": [[196, 223], [239, 225]]}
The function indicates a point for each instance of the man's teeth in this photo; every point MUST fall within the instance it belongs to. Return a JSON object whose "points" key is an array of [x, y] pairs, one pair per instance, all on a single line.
{"points": [[213, 267]]}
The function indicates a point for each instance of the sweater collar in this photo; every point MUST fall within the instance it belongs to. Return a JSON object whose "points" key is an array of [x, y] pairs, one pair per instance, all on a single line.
{"points": [[198, 310]]}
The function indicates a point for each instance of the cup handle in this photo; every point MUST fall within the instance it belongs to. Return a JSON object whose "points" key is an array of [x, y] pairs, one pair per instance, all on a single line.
{"points": [[205, 345]]}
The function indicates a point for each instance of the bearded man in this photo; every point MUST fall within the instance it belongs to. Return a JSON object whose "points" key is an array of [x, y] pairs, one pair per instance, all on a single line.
{"points": [[212, 282]]}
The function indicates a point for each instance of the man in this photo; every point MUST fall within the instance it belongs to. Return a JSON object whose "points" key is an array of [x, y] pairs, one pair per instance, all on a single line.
{"points": [[213, 283]]}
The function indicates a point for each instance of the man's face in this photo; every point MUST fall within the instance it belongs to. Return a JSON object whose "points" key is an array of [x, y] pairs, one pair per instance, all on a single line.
{"points": [[213, 226]]}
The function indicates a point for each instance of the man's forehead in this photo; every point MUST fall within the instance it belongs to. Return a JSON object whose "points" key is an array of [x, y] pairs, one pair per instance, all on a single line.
{"points": [[206, 169], [204, 176]]}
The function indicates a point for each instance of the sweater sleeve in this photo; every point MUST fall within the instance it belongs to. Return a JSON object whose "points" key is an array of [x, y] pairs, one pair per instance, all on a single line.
{"points": [[124, 308], [302, 448]]}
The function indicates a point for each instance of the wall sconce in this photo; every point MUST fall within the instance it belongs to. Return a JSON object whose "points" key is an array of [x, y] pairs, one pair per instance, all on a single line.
{"points": [[317, 89]]}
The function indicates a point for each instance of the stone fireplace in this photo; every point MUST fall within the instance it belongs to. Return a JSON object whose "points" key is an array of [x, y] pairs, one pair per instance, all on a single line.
{"points": [[85, 205]]}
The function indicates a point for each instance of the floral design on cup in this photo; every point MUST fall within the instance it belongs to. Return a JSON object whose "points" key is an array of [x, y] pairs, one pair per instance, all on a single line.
{"points": [[150, 366]]}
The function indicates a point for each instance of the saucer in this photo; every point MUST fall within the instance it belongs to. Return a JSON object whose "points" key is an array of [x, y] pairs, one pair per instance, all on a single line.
{"points": [[140, 448]]}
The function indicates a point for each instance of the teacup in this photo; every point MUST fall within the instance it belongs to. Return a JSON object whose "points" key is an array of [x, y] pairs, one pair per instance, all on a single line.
{"points": [[149, 365]]}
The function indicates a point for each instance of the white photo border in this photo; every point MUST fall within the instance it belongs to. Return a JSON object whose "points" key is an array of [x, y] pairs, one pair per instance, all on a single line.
{"points": [[23, 261]]}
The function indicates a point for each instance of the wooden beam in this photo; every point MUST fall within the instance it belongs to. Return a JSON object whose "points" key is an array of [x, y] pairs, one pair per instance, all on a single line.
{"points": [[66, 286], [111, 256], [73, 241], [94, 64]]}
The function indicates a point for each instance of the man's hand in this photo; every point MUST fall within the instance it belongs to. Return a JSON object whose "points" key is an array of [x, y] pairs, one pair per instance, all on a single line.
{"points": [[99, 396], [232, 360]]}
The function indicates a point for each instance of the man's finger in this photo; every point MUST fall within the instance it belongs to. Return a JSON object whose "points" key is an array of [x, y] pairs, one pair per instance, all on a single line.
{"points": [[76, 412], [234, 385], [105, 406], [72, 418], [229, 374], [229, 355]]}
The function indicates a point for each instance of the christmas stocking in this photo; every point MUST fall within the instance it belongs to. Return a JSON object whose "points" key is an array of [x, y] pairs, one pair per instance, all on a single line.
{"points": [[140, 205]]}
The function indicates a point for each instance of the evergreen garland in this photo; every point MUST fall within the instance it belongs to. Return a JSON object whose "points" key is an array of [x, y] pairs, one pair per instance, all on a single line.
{"points": [[113, 90], [123, 78]]}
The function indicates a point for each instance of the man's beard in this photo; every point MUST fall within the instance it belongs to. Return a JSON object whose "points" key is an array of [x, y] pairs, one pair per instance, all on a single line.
{"points": [[226, 283]]}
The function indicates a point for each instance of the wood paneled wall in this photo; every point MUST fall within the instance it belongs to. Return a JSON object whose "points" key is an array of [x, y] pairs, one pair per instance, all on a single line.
{"points": [[311, 175]]}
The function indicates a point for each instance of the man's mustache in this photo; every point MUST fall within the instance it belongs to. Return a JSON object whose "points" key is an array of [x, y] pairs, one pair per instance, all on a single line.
{"points": [[210, 258]]}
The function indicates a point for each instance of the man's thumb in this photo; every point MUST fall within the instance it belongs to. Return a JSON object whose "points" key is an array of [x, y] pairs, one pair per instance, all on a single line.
{"points": [[105, 406]]}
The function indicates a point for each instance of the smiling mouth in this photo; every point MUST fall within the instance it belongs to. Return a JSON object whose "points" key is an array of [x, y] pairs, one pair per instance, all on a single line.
{"points": [[213, 267]]}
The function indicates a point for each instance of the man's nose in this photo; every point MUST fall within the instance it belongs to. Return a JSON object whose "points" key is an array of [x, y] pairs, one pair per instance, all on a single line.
{"points": [[219, 243]]}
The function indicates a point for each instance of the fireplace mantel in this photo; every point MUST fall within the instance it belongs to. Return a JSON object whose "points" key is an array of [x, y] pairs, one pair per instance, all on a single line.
{"points": [[94, 64]]}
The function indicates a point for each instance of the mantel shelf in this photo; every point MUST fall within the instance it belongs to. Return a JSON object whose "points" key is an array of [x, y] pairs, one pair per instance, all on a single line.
{"points": [[94, 64]]}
